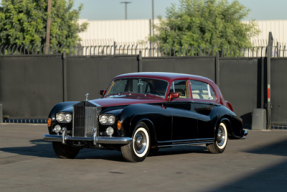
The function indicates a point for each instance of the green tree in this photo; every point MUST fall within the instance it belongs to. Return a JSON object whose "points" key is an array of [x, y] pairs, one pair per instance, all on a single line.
{"points": [[205, 23], [23, 22]]}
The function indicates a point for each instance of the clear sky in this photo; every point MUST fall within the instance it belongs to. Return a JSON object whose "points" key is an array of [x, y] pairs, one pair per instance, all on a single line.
{"points": [[141, 9]]}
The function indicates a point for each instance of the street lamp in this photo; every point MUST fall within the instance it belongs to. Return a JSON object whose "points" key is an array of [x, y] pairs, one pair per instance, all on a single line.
{"points": [[48, 27], [126, 2]]}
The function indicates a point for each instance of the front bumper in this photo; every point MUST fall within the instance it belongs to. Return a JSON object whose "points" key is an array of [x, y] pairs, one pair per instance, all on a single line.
{"points": [[95, 139], [245, 133]]}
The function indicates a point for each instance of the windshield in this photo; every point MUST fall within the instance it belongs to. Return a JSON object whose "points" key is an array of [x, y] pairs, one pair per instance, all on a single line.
{"points": [[138, 85]]}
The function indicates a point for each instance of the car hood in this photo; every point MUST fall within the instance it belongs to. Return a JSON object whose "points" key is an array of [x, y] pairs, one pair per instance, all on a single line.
{"points": [[113, 101]]}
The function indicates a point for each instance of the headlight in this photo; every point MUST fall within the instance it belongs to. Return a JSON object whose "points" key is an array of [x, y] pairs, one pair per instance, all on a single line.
{"points": [[103, 119], [60, 117], [107, 119], [68, 117], [111, 119], [64, 117]]}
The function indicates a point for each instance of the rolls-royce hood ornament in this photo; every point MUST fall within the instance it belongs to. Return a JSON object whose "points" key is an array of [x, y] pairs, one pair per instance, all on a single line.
{"points": [[87, 95]]}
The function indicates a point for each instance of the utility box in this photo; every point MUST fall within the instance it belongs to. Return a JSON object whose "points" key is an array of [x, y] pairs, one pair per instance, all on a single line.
{"points": [[258, 119], [1, 114]]}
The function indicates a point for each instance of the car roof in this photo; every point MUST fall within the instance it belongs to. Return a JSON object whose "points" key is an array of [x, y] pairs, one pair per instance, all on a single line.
{"points": [[163, 75]]}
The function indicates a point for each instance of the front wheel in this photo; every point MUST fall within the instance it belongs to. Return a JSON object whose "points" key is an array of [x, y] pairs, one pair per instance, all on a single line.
{"points": [[64, 151], [138, 149], [221, 140]]}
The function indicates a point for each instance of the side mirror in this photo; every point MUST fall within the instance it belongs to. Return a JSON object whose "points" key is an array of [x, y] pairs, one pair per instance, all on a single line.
{"points": [[173, 96], [102, 92]]}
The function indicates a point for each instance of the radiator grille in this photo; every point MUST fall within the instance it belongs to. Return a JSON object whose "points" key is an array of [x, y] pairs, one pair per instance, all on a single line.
{"points": [[85, 117], [79, 121]]}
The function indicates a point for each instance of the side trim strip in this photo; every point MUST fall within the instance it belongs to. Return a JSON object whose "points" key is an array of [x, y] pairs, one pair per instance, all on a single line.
{"points": [[186, 144], [186, 140]]}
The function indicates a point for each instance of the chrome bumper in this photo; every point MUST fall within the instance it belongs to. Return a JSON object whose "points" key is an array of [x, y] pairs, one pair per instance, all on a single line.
{"points": [[95, 139], [245, 133]]}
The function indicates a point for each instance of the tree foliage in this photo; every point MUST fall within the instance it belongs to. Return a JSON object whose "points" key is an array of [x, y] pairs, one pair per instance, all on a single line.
{"points": [[205, 23], [24, 22]]}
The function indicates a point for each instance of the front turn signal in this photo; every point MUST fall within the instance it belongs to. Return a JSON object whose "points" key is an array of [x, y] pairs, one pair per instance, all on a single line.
{"points": [[49, 122], [119, 125]]}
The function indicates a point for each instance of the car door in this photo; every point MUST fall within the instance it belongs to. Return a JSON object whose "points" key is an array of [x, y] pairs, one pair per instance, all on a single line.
{"points": [[184, 120], [204, 99]]}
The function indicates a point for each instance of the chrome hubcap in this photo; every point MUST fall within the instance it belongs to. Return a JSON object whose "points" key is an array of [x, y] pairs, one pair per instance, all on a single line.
{"points": [[140, 142], [221, 136]]}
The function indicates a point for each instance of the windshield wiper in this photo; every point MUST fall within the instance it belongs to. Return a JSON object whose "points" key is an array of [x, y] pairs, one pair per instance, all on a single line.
{"points": [[154, 94]]}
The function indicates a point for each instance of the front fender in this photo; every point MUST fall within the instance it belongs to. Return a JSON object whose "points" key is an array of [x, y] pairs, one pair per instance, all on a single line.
{"points": [[158, 120]]}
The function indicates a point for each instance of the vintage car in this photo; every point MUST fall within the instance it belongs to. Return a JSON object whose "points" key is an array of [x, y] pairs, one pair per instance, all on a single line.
{"points": [[143, 112]]}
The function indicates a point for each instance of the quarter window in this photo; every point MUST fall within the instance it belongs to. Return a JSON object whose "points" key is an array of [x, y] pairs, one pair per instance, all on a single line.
{"points": [[181, 87], [201, 90]]}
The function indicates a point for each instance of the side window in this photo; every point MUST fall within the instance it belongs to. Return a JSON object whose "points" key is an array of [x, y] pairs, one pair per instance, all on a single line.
{"points": [[181, 87], [201, 90]]}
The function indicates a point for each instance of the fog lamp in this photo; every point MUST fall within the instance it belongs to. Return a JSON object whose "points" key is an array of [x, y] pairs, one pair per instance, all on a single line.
{"points": [[57, 129], [110, 131]]}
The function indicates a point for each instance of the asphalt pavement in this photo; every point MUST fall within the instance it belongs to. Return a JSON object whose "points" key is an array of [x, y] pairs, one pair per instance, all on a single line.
{"points": [[28, 163]]}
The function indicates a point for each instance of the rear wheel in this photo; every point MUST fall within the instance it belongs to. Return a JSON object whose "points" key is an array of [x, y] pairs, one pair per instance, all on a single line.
{"points": [[221, 140], [138, 149], [65, 151]]}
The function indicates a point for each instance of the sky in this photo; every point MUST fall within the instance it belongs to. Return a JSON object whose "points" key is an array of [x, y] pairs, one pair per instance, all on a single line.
{"points": [[141, 9]]}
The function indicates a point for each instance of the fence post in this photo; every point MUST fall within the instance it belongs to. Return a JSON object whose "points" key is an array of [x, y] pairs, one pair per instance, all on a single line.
{"points": [[1, 114], [140, 61], [64, 68], [269, 55], [217, 69]]}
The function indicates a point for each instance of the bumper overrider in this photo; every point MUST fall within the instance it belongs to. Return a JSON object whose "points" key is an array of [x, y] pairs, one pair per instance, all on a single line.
{"points": [[95, 139]]}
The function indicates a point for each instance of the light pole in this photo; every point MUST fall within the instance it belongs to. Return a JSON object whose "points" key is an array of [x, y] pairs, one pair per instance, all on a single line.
{"points": [[126, 2], [48, 27], [152, 15]]}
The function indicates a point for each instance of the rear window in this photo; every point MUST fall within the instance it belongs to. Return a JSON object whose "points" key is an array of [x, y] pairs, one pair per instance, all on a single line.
{"points": [[202, 90]]}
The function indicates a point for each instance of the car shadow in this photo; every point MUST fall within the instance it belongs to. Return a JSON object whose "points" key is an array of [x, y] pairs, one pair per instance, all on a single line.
{"points": [[272, 178], [179, 150], [44, 149]]}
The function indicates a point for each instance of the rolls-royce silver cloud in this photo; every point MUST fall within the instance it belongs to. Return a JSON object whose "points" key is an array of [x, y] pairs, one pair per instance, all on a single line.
{"points": [[140, 113]]}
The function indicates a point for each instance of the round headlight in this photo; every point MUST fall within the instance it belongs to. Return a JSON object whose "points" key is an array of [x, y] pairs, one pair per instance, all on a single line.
{"points": [[111, 119], [68, 117], [103, 119], [57, 128], [60, 117], [110, 131]]}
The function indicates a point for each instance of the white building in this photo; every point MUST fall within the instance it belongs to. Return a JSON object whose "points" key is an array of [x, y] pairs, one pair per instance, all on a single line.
{"points": [[132, 32]]}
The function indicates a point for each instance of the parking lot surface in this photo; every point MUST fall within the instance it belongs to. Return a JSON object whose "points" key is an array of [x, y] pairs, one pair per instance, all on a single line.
{"points": [[28, 163]]}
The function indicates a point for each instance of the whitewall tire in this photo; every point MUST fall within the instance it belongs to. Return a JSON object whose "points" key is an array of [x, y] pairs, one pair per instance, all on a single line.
{"points": [[221, 139], [138, 149]]}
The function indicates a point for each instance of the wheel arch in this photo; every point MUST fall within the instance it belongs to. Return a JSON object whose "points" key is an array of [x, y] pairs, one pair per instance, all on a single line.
{"points": [[151, 128], [227, 121]]}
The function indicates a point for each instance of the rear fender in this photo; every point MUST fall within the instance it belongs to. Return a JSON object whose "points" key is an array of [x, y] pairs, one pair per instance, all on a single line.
{"points": [[229, 106]]}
